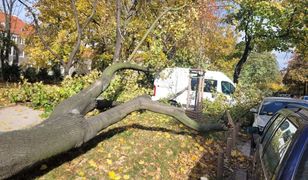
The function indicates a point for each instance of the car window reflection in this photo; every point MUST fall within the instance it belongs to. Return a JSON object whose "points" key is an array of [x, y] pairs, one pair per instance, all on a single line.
{"points": [[277, 145]]}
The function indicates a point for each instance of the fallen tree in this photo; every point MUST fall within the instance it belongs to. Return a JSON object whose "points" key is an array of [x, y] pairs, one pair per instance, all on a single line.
{"points": [[67, 127]]}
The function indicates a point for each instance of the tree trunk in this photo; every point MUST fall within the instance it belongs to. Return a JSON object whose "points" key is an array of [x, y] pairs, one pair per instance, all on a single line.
{"points": [[118, 45], [67, 127], [243, 59]]}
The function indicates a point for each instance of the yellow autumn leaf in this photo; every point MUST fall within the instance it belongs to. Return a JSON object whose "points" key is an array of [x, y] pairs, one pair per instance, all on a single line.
{"points": [[126, 177], [92, 163], [141, 162], [209, 141], [168, 135], [109, 161], [100, 150], [81, 173], [234, 153], [241, 158], [194, 158], [113, 176]]}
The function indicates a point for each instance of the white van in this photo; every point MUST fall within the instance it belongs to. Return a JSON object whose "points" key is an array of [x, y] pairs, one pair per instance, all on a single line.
{"points": [[173, 84]]}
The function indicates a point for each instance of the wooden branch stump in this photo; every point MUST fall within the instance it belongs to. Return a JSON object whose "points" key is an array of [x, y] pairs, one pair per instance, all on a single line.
{"points": [[220, 165], [229, 148]]}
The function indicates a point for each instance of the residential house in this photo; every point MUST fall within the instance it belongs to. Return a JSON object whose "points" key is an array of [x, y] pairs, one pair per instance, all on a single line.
{"points": [[19, 30]]}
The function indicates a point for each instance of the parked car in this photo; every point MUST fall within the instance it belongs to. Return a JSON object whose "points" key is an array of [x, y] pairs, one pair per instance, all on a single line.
{"points": [[282, 151], [269, 106], [173, 83]]}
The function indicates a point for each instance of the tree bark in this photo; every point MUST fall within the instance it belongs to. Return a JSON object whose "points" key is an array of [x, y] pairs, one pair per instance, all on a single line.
{"points": [[239, 65], [67, 127], [118, 45]]}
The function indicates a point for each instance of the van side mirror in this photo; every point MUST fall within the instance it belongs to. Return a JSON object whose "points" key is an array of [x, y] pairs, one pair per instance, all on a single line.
{"points": [[253, 130], [253, 110]]}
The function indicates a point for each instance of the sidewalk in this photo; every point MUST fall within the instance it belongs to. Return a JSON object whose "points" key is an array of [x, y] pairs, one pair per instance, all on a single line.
{"points": [[18, 117]]}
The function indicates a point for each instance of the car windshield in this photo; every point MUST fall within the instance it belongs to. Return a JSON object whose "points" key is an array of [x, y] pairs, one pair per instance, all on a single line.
{"points": [[273, 106]]}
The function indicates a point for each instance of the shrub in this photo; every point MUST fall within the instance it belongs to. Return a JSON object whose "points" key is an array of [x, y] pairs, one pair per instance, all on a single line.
{"points": [[46, 97], [244, 99]]}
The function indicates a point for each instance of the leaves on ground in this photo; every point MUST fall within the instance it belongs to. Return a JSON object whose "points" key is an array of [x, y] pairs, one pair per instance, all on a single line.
{"points": [[144, 146]]}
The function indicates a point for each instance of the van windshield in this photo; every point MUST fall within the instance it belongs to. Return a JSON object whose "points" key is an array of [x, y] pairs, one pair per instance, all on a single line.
{"points": [[227, 88]]}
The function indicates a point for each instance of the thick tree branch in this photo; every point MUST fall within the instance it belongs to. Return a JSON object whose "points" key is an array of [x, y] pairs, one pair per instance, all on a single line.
{"points": [[67, 128], [97, 123], [76, 104]]}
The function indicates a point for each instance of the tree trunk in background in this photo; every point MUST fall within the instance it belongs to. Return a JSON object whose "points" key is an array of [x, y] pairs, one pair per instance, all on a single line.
{"points": [[243, 59], [67, 128], [118, 45]]}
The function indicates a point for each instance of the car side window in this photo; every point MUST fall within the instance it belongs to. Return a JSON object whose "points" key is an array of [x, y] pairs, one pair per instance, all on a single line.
{"points": [[276, 147], [227, 88], [270, 127]]}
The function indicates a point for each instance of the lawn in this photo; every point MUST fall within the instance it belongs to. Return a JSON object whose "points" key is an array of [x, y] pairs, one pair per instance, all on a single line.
{"points": [[142, 146]]}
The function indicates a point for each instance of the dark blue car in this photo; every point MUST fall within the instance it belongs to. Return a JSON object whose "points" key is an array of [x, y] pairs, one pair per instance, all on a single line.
{"points": [[282, 151]]}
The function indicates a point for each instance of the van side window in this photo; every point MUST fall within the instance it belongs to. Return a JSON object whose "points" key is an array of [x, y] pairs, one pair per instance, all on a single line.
{"points": [[276, 147], [227, 88], [210, 85], [193, 83]]}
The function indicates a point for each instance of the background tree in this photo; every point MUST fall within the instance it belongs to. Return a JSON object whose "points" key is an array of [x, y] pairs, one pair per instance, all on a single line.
{"points": [[7, 44], [267, 25], [65, 20], [296, 77], [261, 71]]}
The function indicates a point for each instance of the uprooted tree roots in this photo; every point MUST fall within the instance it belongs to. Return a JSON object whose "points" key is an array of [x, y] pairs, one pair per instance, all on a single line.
{"points": [[67, 127]]}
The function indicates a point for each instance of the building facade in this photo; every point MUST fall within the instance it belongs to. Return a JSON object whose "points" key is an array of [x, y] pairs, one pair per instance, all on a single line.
{"points": [[19, 30]]}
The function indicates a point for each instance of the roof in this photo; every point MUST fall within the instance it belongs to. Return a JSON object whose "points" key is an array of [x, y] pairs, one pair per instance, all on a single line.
{"points": [[18, 26]]}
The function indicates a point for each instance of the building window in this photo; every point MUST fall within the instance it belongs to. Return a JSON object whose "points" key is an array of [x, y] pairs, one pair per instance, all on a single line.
{"points": [[14, 38], [12, 51]]}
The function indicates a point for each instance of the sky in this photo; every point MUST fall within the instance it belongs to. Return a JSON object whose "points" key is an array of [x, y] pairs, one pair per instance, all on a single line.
{"points": [[283, 58]]}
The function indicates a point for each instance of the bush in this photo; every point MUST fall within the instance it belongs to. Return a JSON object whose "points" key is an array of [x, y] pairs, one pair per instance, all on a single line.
{"points": [[46, 97], [244, 99], [30, 74]]}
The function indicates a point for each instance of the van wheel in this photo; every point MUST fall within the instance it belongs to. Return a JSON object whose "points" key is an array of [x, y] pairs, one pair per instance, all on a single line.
{"points": [[174, 103]]}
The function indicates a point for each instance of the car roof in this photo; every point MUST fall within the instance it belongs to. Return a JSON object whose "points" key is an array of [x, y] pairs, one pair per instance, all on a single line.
{"points": [[301, 112], [284, 99]]}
